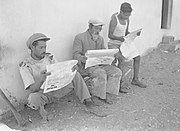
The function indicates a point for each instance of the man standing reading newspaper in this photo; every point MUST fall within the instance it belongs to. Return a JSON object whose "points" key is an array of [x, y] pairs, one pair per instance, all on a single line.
{"points": [[106, 78], [118, 29], [33, 72]]}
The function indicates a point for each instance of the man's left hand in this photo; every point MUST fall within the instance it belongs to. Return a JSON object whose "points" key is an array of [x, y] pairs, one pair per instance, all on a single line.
{"points": [[74, 68]]}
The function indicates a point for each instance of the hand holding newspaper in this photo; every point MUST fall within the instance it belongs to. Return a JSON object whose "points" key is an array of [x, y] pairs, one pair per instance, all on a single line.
{"points": [[61, 75], [132, 35], [128, 48], [97, 57]]}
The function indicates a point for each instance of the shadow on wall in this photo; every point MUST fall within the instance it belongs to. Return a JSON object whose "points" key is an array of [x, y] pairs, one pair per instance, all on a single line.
{"points": [[8, 78]]}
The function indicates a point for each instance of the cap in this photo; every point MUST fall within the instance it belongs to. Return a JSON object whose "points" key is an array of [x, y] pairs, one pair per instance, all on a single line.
{"points": [[95, 22], [36, 37], [126, 7]]}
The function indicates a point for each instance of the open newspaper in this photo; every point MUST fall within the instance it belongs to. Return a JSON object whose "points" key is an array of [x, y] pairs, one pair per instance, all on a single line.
{"points": [[128, 47], [98, 57], [61, 75], [132, 35]]}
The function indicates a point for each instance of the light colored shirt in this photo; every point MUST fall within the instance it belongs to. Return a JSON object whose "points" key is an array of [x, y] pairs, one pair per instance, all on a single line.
{"points": [[31, 69], [120, 30], [82, 43]]}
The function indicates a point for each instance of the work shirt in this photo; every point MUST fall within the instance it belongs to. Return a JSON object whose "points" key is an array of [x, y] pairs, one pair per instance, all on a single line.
{"points": [[82, 43], [30, 69]]}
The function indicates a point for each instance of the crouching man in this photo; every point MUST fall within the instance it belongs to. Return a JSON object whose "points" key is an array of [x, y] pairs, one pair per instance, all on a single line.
{"points": [[33, 73]]}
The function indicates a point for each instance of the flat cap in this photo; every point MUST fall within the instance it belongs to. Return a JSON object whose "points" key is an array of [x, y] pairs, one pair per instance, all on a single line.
{"points": [[95, 22], [36, 37]]}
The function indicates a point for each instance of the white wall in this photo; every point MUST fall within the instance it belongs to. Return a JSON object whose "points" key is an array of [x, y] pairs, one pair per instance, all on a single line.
{"points": [[175, 28], [61, 20]]}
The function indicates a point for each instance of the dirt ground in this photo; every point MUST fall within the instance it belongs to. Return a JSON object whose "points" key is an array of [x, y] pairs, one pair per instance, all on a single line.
{"points": [[155, 108]]}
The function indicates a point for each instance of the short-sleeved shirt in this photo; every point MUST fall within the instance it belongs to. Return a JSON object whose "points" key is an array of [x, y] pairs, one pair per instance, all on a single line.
{"points": [[82, 43], [30, 68]]}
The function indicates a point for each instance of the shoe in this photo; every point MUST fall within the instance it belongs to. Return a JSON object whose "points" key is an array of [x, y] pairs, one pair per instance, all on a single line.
{"points": [[121, 91], [45, 115], [88, 103], [138, 83], [108, 101]]}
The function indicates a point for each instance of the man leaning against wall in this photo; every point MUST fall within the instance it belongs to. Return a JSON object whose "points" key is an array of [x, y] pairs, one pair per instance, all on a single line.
{"points": [[33, 73]]}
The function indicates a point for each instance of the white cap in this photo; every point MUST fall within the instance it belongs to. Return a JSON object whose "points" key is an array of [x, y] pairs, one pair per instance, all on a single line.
{"points": [[95, 22]]}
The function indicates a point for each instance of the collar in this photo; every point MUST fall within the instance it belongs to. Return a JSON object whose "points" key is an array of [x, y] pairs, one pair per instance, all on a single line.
{"points": [[36, 61]]}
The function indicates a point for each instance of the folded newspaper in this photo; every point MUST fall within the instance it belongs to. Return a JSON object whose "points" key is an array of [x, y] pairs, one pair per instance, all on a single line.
{"points": [[128, 48], [61, 75], [98, 57]]}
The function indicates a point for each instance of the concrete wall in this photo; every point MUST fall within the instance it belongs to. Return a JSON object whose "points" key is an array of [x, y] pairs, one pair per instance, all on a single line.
{"points": [[61, 20]]}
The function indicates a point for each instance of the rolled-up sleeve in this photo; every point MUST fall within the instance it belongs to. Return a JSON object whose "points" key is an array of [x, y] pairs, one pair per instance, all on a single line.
{"points": [[26, 76]]}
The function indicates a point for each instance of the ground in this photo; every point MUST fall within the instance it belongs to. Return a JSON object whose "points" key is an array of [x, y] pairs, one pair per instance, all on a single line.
{"points": [[155, 108]]}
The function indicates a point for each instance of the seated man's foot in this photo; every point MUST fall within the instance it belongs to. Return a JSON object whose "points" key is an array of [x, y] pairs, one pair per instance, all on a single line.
{"points": [[121, 91], [138, 83], [45, 115], [88, 103], [108, 101], [96, 100]]}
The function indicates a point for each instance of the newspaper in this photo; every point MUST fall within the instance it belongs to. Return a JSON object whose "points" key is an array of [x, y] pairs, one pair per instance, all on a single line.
{"points": [[128, 48], [61, 75], [132, 35], [98, 57]]}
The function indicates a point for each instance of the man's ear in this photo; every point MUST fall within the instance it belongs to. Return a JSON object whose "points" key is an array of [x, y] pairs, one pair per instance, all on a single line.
{"points": [[32, 47]]}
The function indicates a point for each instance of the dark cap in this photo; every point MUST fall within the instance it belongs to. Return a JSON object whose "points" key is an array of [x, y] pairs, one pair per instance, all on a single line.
{"points": [[126, 7]]}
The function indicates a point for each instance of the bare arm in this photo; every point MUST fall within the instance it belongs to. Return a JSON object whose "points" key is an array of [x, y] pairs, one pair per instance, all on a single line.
{"points": [[35, 87], [127, 29]]}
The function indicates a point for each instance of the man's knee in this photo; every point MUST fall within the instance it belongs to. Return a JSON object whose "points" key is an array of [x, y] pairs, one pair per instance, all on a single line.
{"points": [[35, 100], [117, 72], [137, 58], [78, 76], [99, 72]]}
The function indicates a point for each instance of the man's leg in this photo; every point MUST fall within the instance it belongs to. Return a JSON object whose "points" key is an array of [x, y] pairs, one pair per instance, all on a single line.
{"points": [[99, 87], [120, 61], [37, 101], [135, 80], [99, 78], [81, 89], [121, 67], [114, 75]]}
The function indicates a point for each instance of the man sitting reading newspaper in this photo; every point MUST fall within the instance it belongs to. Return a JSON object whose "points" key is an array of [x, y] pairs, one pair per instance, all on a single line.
{"points": [[106, 78], [33, 72]]}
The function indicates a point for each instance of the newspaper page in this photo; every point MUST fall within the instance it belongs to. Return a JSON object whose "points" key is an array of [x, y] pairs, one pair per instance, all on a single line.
{"points": [[132, 35], [61, 75], [98, 57], [128, 48]]}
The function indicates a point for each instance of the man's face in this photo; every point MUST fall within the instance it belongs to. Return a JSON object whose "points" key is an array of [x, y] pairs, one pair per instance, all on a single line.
{"points": [[125, 15], [39, 50], [96, 29]]}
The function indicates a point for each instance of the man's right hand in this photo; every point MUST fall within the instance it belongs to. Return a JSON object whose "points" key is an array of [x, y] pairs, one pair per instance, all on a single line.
{"points": [[43, 75], [83, 59]]}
